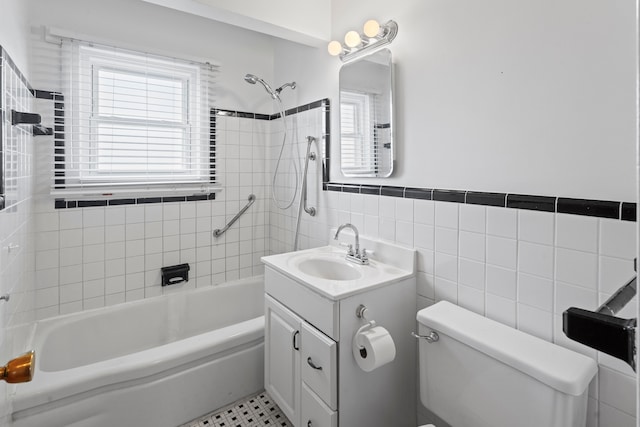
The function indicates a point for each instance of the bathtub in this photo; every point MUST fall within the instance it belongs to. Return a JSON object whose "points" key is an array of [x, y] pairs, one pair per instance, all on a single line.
{"points": [[161, 361]]}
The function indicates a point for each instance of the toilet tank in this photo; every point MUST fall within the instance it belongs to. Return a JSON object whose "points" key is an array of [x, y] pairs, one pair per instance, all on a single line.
{"points": [[481, 373]]}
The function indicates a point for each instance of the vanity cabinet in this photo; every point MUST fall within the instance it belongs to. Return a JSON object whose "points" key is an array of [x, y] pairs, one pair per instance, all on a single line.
{"points": [[300, 367], [310, 370]]}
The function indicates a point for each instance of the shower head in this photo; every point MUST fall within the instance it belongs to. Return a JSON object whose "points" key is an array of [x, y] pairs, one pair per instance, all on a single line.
{"points": [[250, 78]]}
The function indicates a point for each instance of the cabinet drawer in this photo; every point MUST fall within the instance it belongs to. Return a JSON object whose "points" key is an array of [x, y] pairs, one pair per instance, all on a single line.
{"points": [[314, 413], [319, 364], [315, 309]]}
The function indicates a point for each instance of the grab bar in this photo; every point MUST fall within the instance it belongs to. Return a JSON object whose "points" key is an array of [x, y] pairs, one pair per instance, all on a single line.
{"points": [[309, 156], [620, 299], [220, 231]]}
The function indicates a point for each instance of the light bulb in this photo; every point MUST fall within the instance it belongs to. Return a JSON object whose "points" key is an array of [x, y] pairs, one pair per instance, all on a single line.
{"points": [[334, 48], [352, 39], [371, 28]]}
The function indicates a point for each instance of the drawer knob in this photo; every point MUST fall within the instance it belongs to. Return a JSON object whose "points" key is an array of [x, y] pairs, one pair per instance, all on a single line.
{"points": [[309, 424], [313, 365]]}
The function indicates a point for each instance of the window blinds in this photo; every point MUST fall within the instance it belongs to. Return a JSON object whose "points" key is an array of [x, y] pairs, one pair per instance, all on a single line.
{"points": [[359, 145], [125, 121]]}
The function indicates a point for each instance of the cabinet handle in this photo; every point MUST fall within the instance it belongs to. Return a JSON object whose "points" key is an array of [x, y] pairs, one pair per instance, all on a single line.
{"points": [[313, 365], [295, 341], [309, 423]]}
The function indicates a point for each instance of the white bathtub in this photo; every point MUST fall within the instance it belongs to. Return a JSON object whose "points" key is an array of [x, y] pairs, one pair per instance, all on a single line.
{"points": [[157, 362]]}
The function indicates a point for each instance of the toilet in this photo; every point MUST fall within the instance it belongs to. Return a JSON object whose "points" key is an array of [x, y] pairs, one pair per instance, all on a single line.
{"points": [[475, 372]]}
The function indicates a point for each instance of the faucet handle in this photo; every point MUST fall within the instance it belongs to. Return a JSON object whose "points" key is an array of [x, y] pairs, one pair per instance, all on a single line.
{"points": [[349, 247], [364, 255]]}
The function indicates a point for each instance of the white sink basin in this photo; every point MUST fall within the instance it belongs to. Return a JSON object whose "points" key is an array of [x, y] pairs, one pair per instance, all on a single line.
{"points": [[326, 270], [329, 268]]}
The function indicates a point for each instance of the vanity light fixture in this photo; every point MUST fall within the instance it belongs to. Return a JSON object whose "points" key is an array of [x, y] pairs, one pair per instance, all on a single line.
{"points": [[356, 44]]}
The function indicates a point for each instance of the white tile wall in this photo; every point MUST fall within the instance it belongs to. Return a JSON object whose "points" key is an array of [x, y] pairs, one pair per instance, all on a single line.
{"points": [[360, 210], [92, 257], [522, 268], [16, 227], [16, 220]]}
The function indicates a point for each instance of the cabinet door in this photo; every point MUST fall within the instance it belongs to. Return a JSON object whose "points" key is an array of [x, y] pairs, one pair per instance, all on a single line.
{"points": [[282, 358]]}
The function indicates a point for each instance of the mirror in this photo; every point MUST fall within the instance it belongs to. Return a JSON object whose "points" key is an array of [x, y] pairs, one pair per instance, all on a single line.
{"points": [[366, 116]]}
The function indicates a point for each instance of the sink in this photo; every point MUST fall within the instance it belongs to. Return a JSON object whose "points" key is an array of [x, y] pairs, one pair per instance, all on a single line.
{"points": [[326, 271], [329, 268]]}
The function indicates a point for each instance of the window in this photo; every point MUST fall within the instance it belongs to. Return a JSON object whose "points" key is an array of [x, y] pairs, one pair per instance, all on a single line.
{"points": [[133, 123]]}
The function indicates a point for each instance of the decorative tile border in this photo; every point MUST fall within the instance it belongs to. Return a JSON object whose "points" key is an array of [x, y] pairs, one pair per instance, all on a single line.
{"points": [[67, 204], [215, 112], [625, 211], [597, 208]]}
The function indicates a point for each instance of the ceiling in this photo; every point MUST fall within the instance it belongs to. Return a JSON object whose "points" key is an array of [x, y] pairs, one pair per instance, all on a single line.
{"points": [[307, 22]]}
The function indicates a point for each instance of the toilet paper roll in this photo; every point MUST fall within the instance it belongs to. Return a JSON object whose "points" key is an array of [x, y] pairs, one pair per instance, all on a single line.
{"points": [[373, 347]]}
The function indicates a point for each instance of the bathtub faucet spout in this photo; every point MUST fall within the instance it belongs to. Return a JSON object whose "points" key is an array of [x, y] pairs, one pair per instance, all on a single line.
{"points": [[20, 369]]}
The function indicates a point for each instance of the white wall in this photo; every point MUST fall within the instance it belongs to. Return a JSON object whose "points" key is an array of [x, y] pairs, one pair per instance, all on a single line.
{"points": [[534, 97], [312, 17], [14, 31], [135, 24], [307, 22]]}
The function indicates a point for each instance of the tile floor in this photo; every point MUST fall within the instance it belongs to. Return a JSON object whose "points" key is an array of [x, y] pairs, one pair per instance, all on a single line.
{"points": [[253, 411]]}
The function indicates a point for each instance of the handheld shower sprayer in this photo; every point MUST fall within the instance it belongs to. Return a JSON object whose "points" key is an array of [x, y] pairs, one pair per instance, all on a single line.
{"points": [[275, 94]]}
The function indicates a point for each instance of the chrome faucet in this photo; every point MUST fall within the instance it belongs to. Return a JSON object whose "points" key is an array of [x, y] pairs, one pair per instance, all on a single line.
{"points": [[354, 256]]}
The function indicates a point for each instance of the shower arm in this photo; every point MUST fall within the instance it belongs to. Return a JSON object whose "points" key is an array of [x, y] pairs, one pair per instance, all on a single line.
{"points": [[292, 85]]}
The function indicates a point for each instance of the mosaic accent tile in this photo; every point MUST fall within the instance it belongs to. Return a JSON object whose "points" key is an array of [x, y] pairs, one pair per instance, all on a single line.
{"points": [[254, 411]]}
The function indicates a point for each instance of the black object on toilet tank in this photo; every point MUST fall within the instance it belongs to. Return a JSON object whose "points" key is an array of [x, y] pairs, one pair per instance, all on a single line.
{"points": [[603, 332], [175, 274]]}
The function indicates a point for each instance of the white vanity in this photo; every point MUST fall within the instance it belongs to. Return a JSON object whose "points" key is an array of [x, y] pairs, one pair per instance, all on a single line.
{"points": [[312, 297]]}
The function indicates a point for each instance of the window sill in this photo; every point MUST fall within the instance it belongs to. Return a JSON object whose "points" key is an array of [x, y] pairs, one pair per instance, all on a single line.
{"points": [[141, 192]]}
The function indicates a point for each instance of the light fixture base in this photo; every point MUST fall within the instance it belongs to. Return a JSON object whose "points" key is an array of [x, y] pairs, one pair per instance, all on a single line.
{"points": [[389, 33]]}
